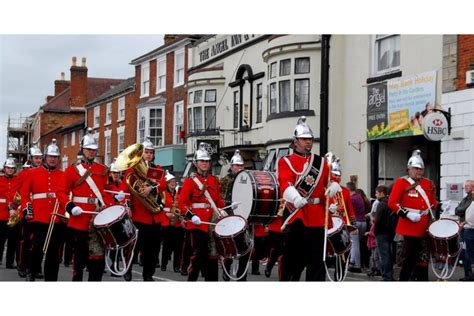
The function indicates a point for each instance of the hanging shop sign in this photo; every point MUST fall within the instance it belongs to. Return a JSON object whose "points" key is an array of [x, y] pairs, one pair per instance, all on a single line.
{"points": [[397, 107], [435, 126]]}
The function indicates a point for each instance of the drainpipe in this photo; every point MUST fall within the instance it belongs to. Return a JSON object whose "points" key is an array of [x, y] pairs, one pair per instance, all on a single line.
{"points": [[324, 95]]}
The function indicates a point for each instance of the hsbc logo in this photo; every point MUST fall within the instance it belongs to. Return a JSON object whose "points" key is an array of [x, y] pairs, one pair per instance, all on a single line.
{"points": [[437, 122], [435, 127]]}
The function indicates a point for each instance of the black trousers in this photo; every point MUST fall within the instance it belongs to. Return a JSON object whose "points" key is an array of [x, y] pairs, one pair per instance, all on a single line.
{"points": [[25, 245], [172, 244], [12, 236], [275, 248], [96, 266], [303, 249], [200, 260], [186, 251], [53, 255], [149, 237], [412, 247]]}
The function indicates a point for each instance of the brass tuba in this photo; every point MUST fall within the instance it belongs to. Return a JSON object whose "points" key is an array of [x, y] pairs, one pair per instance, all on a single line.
{"points": [[15, 218], [132, 157]]}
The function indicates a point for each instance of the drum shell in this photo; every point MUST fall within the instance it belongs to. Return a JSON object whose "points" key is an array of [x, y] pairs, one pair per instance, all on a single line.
{"points": [[235, 245], [444, 247], [265, 195], [339, 241], [118, 233]]}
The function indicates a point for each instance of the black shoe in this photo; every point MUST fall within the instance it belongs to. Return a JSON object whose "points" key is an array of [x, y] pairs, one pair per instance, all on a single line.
{"points": [[30, 277], [163, 268], [148, 279], [256, 272], [128, 276], [22, 273], [11, 266], [176, 270], [268, 272], [184, 272], [355, 270], [39, 275]]}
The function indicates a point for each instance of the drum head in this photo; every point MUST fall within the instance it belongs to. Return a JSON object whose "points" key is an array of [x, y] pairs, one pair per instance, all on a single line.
{"points": [[444, 228], [242, 192], [230, 225], [337, 223], [109, 215]]}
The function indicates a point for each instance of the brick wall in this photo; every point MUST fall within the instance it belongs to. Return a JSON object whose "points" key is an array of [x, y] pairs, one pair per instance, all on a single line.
{"points": [[450, 58], [78, 86], [50, 121], [465, 59]]}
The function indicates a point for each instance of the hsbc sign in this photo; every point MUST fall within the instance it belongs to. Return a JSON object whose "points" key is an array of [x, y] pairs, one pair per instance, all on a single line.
{"points": [[435, 126]]}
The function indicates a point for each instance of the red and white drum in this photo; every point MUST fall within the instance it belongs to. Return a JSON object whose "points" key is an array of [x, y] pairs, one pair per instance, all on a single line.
{"points": [[232, 237], [444, 238], [115, 227], [339, 240], [258, 196]]}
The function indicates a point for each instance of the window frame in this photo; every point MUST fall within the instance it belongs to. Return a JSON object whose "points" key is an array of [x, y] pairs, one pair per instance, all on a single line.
{"points": [[205, 96], [271, 74], [309, 65], [120, 107], [108, 113], [214, 119], [177, 82], [65, 141], [236, 109], [195, 109], [176, 134], [160, 60], [270, 98], [144, 83], [280, 90], [73, 138], [259, 103], [162, 109], [195, 96], [309, 93], [375, 54], [281, 68], [107, 150], [96, 116]]}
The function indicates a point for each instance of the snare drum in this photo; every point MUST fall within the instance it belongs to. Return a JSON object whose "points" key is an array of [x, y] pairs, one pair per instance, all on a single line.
{"points": [[257, 193], [115, 227], [339, 240], [232, 238], [444, 238]]}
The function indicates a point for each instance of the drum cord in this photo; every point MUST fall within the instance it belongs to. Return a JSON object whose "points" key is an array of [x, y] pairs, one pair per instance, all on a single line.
{"points": [[235, 272], [338, 268], [445, 274], [126, 265]]}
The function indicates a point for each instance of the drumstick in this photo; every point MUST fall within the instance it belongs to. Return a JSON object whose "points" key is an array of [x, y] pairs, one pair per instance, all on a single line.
{"points": [[60, 215], [209, 223], [116, 192], [233, 203], [89, 212]]}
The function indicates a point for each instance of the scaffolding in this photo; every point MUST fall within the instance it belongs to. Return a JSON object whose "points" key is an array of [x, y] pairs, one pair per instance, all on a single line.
{"points": [[19, 137]]}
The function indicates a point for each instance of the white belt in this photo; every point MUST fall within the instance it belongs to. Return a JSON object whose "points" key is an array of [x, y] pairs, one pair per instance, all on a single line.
{"points": [[167, 209], [414, 210], [44, 195], [85, 200], [200, 205], [313, 201], [3, 201]]}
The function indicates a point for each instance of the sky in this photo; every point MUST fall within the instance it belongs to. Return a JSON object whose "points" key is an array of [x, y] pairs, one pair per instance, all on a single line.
{"points": [[29, 65]]}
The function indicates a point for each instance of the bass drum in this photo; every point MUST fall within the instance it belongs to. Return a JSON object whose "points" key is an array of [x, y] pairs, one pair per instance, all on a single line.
{"points": [[257, 194]]}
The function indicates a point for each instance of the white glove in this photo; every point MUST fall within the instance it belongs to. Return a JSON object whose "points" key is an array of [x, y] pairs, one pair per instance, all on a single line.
{"points": [[332, 189], [196, 220], [223, 213], [333, 208], [76, 211], [414, 217], [11, 212], [120, 196], [234, 205], [300, 202]]}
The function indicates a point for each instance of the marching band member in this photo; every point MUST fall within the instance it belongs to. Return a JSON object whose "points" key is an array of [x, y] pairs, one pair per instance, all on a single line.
{"points": [[305, 230], [260, 232], [227, 183], [39, 202], [173, 232], [147, 223], [86, 181], [412, 199], [275, 243], [200, 200], [9, 186], [36, 159]]}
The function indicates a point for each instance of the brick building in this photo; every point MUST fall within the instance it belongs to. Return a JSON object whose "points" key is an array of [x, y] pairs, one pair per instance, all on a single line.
{"points": [[66, 107], [160, 79], [457, 150], [113, 117]]}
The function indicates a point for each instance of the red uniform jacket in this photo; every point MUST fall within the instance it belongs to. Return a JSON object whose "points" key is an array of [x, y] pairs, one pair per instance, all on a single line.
{"points": [[115, 187], [69, 184], [8, 188], [140, 213], [22, 175], [312, 215], [341, 212], [190, 194], [275, 225], [39, 181], [169, 204], [402, 196], [259, 230]]}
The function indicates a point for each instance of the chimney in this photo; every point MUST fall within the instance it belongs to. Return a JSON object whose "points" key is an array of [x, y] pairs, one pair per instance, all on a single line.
{"points": [[48, 98], [78, 83], [60, 85], [170, 37]]}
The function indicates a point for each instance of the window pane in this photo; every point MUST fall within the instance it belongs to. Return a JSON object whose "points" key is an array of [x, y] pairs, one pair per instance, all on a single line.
{"points": [[302, 65], [302, 94], [273, 98], [198, 96], [285, 67], [197, 118], [388, 52], [284, 96], [236, 109], [259, 103], [210, 116], [190, 121], [273, 70], [190, 100], [210, 96]]}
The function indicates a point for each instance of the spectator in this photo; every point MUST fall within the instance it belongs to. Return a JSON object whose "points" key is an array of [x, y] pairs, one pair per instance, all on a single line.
{"points": [[359, 208], [374, 262], [467, 230]]}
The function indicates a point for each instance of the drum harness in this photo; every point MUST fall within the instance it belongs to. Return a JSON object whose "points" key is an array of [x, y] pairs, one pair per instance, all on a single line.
{"points": [[445, 273], [216, 210], [83, 172]]}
